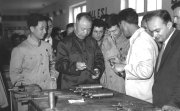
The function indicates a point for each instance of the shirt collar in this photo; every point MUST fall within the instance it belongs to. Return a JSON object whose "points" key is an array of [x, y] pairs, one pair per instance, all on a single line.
{"points": [[135, 35], [33, 42]]}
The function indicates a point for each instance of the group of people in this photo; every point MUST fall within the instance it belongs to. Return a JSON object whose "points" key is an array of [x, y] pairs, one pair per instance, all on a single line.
{"points": [[142, 62]]}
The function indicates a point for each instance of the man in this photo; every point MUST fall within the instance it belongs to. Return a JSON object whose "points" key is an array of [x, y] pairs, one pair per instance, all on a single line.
{"points": [[176, 13], [48, 37], [79, 59], [166, 88], [69, 28], [31, 61], [141, 58], [114, 47], [144, 23], [98, 30]]}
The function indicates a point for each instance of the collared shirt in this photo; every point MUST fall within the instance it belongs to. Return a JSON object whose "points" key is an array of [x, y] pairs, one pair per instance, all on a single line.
{"points": [[122, 44], [141, 60], [32, 63], [113, 49]]}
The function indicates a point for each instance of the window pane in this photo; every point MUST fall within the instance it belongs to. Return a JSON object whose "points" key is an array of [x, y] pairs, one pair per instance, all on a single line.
{"points": [[123, 4], [84, 8], [140, 6], [132, 4], [159, 4], [151, 5], [139, 20], [76, 11]]}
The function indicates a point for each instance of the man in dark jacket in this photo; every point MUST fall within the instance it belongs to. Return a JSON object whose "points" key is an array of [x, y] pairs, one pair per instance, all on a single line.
{"points": [[79, 59], [166, 88]]}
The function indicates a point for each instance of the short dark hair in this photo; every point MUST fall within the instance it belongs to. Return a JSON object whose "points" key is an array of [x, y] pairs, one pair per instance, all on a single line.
{"points": [[34, 18], [129, 15], [69, 25], [175, 5], [146, 16], [85, 15], [98, 23], [163, 14], [112, 20], [104, 17]]}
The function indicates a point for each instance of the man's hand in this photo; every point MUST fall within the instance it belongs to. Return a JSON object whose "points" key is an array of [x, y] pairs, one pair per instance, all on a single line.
{"points": [[170, 108], [97, 73], [80, 66], [118, 68]]}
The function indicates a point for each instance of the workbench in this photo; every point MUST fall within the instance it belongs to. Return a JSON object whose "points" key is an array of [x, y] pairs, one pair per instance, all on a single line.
{"points": [[117, 102]]}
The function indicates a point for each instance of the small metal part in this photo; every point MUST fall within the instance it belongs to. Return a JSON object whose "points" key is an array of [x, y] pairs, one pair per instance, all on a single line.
{"points": [[91, 71], [101, 95], [90, 86], [51, 100]]}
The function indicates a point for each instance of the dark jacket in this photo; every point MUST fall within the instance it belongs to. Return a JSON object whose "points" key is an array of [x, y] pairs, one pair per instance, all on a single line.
{"points": [[72, 50], [166, 88]]}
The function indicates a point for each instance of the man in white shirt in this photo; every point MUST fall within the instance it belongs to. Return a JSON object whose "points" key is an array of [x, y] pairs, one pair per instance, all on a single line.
{"points": [[141, 58]]}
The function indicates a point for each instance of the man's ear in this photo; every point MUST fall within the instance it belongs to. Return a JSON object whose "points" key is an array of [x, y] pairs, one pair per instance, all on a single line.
{"points": [[123, 22], [32, 29], [169, 25]]}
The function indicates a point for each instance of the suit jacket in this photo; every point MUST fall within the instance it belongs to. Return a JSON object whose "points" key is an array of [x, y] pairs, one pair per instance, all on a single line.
{"points": [[72, 50], [166, 88]]}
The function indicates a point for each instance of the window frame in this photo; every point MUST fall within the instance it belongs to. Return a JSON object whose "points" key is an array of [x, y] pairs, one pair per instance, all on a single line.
{"points": [[72, 16], [145, 7]]}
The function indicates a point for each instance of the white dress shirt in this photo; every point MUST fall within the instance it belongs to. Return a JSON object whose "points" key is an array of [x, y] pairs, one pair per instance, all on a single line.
{"points": [[141, 60]]}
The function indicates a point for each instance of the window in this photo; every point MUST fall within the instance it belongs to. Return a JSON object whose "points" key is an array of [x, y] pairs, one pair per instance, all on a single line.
{"points": [[137, 4], [74, 10], [154, 5], [142, 6]]}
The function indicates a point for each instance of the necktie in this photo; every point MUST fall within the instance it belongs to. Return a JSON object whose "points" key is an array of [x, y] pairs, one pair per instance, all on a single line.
{"points": [[160, 56]]}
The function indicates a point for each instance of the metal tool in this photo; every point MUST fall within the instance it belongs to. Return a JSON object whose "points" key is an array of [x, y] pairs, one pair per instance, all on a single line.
{"points": [[51, 100], [101, 95], [31, 98], [91, 71], [90, 86]]}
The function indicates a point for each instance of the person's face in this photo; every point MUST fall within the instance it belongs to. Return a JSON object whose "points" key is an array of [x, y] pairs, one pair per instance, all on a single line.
{"points": [[50, 27], [39, 31], [98, 33], [144, 25], [83, 28], [124, 28], [70, 30], [114, 31], [159, 28], [176, 14]]}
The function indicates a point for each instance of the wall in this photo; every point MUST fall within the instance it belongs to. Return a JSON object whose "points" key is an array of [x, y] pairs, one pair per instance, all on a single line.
{"points": [[97, 7], [167, 6], [100, 7], [110, 6], [60, 20]]}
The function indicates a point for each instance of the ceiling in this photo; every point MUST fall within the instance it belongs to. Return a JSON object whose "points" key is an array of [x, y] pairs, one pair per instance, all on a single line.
{"points": [[23, 6]]}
